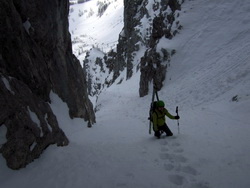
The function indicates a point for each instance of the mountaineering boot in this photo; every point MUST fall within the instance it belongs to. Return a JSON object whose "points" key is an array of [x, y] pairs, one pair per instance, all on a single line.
{"points": [[169, 134], [157, 134]]}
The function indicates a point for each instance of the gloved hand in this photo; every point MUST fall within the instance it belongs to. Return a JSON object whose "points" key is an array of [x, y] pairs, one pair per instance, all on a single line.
{"points": [[177, 117]]}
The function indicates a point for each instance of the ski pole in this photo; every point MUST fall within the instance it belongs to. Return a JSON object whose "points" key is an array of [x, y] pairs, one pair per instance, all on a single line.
{"points": [[178, 120]]}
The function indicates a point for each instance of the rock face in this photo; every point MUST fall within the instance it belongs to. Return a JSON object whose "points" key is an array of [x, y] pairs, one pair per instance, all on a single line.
{"points": [[35, 59], [129, 38], [135, 37], [154, 62], [31, 125]]}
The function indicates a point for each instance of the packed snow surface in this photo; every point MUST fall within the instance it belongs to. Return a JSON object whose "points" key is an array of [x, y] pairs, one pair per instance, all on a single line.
{"points": [[209, 79]]}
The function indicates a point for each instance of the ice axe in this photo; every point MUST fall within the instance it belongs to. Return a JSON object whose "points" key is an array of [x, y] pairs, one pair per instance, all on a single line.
{"points": [[178, 120]]}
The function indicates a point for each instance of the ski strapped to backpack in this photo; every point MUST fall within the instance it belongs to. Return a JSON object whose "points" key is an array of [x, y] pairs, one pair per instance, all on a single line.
{"points": [[152, 108]]}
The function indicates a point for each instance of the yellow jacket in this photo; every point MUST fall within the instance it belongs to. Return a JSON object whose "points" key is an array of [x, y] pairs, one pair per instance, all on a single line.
{"points": [[159, 118]]}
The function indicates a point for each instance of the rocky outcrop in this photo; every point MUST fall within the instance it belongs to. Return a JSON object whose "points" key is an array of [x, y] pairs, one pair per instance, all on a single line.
{"points": [[31, 124], [35, 59], [145, 24], [129, 36], [122, 58], [130, 23], [136, 36], [154, 63]]}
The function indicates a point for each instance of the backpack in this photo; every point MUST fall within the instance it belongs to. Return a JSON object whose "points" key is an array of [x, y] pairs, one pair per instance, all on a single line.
{"points": [[152, 110], [153, 106]]}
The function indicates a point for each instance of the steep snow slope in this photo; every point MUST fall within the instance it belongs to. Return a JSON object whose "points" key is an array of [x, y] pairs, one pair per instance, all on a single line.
{"points": [[90, 29], [211, 67], [213, 54]]}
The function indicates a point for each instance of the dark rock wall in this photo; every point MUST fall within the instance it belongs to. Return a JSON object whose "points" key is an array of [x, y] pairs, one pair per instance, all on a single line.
{"points": [[30, 122], [123, 58], [153, 65], [130, 22], [35, 59], [129, 37]]}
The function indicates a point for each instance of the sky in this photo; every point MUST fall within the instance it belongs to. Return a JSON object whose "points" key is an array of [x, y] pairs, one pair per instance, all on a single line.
{"points": [[210, 68]]}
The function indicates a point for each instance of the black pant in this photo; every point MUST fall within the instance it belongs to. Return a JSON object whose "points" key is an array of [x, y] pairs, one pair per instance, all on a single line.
{"points": [[163, 128]]}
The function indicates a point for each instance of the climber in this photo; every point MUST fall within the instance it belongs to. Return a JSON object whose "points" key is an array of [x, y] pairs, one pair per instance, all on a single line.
{"points": [[159, 124]]}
